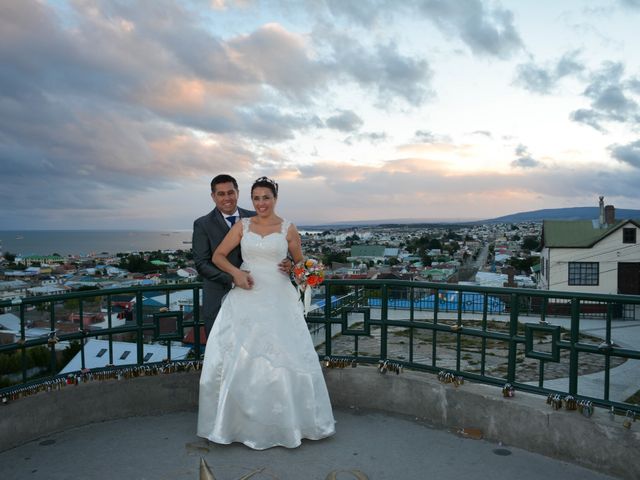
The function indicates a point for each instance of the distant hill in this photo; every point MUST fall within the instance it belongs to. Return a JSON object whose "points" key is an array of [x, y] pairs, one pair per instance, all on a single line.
{"points": [[574, 213]]}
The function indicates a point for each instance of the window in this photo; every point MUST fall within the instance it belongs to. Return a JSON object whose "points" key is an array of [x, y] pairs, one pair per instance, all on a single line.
{"points": [[584, 273], [147, 357], [628, 235], [101, 352], [125, 354]]}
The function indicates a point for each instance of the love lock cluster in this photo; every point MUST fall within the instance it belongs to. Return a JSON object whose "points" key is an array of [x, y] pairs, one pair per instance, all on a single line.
{"points": [[585, 407], [87, 375], [340, 362], [448, 377], [385, 366]]}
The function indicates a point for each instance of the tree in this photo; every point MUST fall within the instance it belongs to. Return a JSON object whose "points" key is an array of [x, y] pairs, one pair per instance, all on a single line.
{"points": [[434, 244], [331, 257], [69, 352], [453, 247], [531, 243], [9, 257], [415, 244], [523, 264], [424, 258], [41, 356], [135, 263], [451, 235]]}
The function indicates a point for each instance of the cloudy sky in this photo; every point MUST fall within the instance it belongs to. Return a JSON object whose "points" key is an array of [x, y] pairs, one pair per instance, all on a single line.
{"points": [[116, 114]]}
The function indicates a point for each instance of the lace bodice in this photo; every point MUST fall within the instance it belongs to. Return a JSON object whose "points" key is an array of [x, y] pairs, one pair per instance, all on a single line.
{"points": [[263, 251]]}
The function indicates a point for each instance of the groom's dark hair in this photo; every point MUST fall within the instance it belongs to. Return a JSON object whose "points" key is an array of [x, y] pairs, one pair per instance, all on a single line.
{"points": [[223, 178]]}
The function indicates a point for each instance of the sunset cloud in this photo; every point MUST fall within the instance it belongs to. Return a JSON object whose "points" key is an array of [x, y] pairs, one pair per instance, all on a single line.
{"points": [[116, 114]]}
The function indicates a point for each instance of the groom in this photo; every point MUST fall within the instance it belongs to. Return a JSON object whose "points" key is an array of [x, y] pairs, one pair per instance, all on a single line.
{"points": [[208, 232]]}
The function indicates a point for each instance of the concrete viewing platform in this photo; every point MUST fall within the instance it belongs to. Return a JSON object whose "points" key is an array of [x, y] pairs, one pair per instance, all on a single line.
{"points": [[367, 445], [407, 426]]}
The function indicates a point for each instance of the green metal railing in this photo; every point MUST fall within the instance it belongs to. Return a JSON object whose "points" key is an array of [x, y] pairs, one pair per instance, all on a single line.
{"points": [[534, 340], [50, 313], [500, 331]]}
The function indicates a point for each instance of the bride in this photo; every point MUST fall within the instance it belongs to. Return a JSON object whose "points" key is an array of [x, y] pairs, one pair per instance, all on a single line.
{"points": [[261, 382]]}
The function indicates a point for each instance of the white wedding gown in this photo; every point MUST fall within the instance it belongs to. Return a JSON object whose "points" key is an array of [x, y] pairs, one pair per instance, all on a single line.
{"points": [[261, 382]]}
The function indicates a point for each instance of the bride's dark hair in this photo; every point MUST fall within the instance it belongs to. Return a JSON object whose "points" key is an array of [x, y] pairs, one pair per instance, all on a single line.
{"points": [[266, 182]]}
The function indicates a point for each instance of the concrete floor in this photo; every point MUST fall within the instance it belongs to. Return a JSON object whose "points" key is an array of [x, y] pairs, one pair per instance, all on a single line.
{"points": [[367, 445]]}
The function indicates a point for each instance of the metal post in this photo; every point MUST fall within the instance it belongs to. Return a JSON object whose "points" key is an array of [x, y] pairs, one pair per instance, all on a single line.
{"points": [[196, 322], [139, 332], [384, 312], [575, 338], [81, 312], [513, 346], [327, 320]]}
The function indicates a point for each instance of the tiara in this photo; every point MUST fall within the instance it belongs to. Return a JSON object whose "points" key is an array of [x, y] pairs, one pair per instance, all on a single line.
{"points": [[267, 180]]}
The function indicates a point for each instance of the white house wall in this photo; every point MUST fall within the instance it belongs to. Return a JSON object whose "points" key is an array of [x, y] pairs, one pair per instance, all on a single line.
{"points": [[608, 253]]}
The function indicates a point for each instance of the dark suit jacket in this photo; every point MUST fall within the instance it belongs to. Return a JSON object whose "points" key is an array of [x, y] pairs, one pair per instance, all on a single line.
{"points": [[208, 232]]}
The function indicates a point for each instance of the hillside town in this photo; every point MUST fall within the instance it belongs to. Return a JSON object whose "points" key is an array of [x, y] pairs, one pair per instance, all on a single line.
{"points": [[600, 255], [480, 254]]}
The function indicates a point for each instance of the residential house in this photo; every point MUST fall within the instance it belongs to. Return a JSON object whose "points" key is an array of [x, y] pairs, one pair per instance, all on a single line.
{"points": [[595, 256]]}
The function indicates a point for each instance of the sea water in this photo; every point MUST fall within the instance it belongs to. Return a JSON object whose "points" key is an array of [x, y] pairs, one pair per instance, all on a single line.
{"points": [[87, 242]]}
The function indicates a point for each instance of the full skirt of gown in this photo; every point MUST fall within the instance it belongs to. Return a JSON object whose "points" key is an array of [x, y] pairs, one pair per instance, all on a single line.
{"points": [[261, 383]]}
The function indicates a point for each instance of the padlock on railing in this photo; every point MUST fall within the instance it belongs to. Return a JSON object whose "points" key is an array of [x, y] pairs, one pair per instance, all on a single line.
{"points": [[570, 403], [585, 407], [628, 419], [508, 391]]}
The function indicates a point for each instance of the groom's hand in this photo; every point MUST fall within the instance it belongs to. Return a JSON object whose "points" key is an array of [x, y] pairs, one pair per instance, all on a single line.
{"points": [[243, 280]]}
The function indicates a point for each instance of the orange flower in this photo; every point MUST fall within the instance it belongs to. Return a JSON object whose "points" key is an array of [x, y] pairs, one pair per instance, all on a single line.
{"points": [[314, 280]]}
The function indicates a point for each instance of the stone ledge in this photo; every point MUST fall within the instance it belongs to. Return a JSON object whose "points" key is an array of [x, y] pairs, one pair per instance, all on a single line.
{"points": [[524, 421], [32, 417]]}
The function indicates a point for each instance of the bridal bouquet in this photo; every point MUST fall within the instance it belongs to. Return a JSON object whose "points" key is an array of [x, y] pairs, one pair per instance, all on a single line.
{"points": [[308, 274]]}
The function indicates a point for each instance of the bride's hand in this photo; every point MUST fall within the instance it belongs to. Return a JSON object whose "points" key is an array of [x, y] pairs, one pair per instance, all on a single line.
{"points": [[243, 279], [285, 266]]}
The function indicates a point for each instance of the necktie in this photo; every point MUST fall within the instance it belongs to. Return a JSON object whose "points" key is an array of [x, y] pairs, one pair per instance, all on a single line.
{"points": [[232, 219]]}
